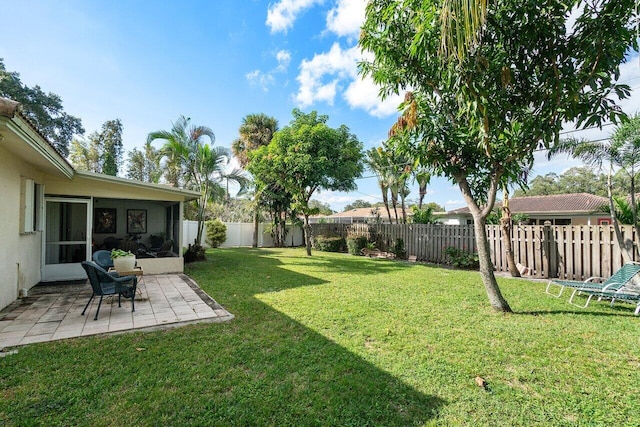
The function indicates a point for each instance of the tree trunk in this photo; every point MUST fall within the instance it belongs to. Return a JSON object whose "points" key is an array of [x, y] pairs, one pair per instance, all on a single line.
{"points": [[385, 199], [496, 299], [625, 250], [634, 209], [423, 192], [307, 234], [507, 225], [256, 225], [198, 240]]}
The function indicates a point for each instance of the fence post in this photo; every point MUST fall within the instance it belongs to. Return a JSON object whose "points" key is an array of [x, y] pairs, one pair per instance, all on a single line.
{"points": [[549, 251]]}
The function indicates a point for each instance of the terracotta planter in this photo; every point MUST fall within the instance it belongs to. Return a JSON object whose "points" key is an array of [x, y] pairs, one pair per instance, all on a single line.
{"points": [[124, 263]]}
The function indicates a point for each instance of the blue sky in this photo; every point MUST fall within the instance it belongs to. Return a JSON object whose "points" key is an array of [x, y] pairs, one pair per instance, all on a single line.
{"points": [[215, 61]]}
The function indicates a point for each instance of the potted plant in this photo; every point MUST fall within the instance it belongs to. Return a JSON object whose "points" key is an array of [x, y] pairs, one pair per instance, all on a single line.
{"points": [[123, 260]]}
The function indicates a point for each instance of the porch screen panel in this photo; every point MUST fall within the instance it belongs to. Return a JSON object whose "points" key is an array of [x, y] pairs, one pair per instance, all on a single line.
{"points": [[66, 228]]}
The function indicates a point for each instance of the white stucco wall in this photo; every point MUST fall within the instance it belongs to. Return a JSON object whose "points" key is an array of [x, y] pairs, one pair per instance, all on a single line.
{"points": [[20, 253]]}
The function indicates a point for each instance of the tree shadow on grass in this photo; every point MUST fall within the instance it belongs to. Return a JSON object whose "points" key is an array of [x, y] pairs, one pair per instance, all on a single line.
{"points": [[263, 368]]}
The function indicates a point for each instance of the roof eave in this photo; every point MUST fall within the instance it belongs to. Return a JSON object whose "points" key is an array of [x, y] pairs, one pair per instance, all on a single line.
{"points": [[186, 194]]}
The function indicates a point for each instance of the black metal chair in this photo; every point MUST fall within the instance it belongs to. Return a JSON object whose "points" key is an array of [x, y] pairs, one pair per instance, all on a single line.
{"points": [[102, 283]]}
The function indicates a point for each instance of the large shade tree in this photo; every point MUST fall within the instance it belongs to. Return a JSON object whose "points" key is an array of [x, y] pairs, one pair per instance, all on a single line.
{"points": [[144, 165], [307, 156], [102, 152], [44, 109], [477, 121]]}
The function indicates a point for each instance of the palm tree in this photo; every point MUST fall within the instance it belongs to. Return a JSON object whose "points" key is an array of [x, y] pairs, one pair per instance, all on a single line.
{"points": [[180, 147], [197, 164], [256, 130], [622, 152], [377, 160], [422, 176]]}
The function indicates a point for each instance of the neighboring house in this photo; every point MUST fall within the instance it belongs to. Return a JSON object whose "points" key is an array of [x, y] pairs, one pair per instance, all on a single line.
{"points": [[558, 209], [52, 216], [361, 216]]}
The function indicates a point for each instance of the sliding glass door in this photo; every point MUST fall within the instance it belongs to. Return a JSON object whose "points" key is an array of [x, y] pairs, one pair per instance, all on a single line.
{"points": [[67, 238]]}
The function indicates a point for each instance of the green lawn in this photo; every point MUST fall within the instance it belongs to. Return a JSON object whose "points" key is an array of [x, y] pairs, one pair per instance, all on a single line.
{"points": [[342, 340]]}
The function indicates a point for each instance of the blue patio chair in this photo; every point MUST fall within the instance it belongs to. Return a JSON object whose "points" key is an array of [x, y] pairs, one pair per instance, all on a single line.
{"points": [[621, 277], [103, 259], [102, 283]]}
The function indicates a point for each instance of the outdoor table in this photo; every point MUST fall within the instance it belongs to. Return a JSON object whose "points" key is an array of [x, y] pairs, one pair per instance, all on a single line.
{"points": [[137, 271]]}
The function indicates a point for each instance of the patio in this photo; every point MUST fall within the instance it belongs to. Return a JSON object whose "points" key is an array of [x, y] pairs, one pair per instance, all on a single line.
{"points": [[52, 312]]}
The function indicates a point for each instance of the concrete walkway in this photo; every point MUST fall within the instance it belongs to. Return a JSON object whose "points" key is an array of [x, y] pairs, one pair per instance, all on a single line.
{"points": [[54, 312]]}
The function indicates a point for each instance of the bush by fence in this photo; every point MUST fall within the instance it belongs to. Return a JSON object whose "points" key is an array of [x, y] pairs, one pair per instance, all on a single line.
{"points": [[329, 244], [568, 252]]}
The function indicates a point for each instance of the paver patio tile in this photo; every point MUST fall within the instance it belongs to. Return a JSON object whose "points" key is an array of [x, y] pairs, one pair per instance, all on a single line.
{"points": [[162, 301]]}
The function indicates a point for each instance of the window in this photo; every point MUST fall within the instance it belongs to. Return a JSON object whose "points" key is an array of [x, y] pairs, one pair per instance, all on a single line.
{"points": [[31, 201], [562, 221]]}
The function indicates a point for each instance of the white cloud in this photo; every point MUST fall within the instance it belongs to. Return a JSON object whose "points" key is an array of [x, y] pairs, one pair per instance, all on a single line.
{"points": [[454, 203], [284, 58], [363, 93], [323, 76], [346, 17], [263, 80], [319, 76], [266, 79], [282, 15]]}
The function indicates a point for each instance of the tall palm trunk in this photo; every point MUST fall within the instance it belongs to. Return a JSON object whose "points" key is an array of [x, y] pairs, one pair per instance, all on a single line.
{"points": [[634, 208], [256, 227], [385, 200], [403, 195], [625, 249], [506, 224], [422, 189]]}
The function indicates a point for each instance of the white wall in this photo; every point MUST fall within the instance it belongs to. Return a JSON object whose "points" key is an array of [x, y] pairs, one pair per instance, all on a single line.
{"points": [[156, 217], [241, 234], [20, 253]]}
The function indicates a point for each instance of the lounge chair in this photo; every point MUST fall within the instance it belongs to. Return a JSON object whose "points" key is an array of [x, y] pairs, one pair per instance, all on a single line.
{"points": [[621, 277], [102, 283], [627, 293]]}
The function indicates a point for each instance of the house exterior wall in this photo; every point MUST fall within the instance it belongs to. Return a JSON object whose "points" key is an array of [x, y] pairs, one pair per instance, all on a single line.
{"points": [[20, 253]]}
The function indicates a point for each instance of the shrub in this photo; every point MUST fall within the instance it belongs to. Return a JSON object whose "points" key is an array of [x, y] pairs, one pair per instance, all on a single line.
{"points": [[355, 245], [398, 248], [194, 253], [462, 259], [329, 244], [216, 232]]}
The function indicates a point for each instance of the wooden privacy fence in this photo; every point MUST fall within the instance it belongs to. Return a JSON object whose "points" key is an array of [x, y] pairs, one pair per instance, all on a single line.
{"points": [[573, 252]]}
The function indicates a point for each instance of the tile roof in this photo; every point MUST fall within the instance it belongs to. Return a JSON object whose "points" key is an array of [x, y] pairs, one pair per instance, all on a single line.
{"points": [[555, 203], [10, 109], [367, 213]]}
